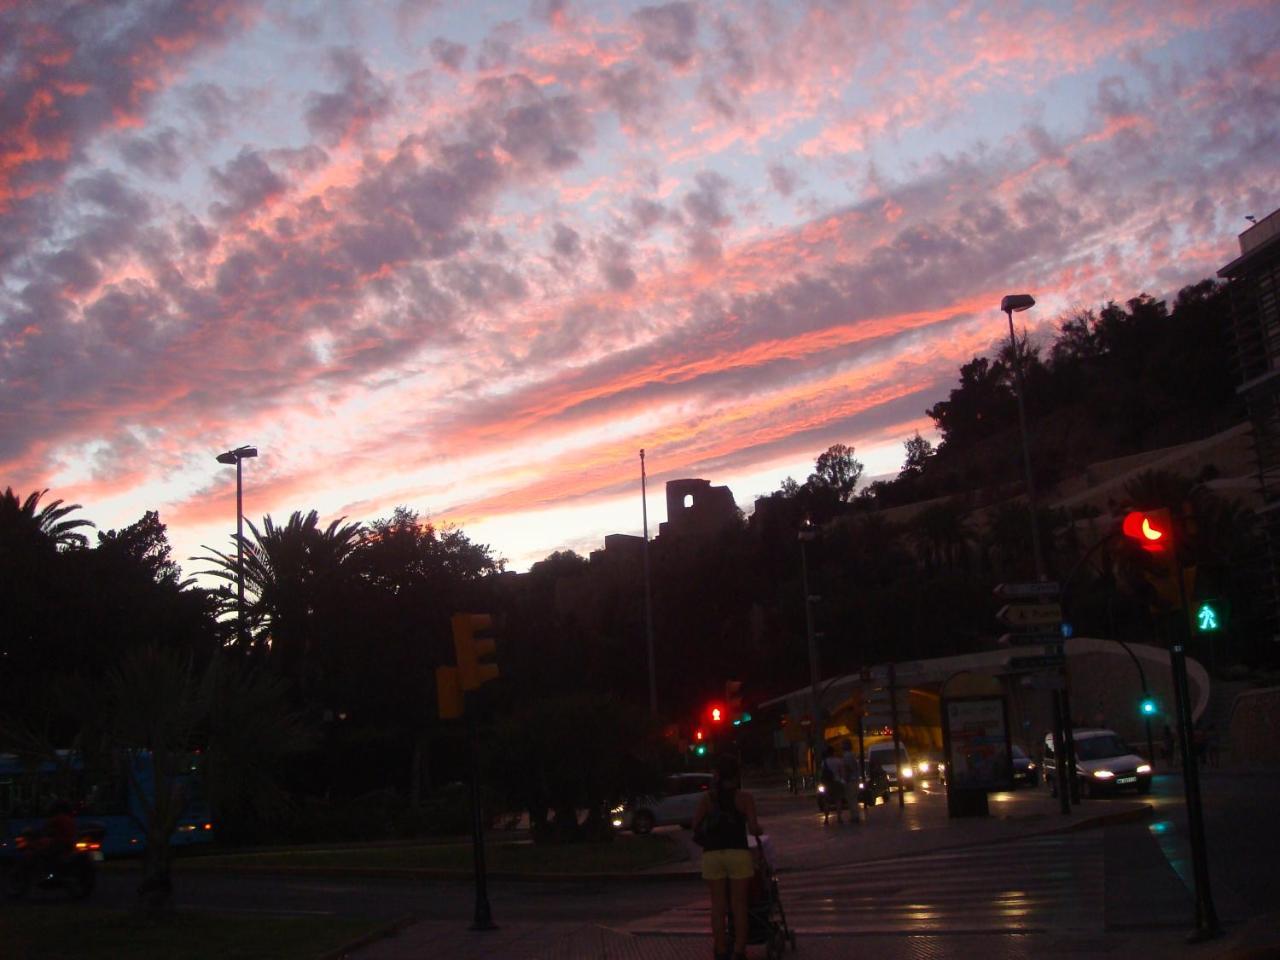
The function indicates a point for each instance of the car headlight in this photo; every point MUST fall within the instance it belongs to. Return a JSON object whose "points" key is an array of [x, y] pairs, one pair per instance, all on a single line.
{"points": [[907, 772], [1031, 766], [923, 766], [1103, 774], [617, 822], [822, 788], [1144, 768]]}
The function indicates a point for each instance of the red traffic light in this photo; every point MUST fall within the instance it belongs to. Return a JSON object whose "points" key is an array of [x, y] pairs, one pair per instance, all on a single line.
{"points": [[715, 715], [1151, 529], [697, 735]]}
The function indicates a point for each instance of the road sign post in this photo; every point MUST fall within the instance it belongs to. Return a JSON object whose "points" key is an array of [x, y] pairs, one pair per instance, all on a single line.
{"points": [[1030, 590], [1035, 618]]}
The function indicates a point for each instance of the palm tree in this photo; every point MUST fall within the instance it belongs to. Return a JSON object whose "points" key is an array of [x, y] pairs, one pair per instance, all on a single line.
{"points": [[295, 578], [160, 707], [943, 536], [20, 521]]}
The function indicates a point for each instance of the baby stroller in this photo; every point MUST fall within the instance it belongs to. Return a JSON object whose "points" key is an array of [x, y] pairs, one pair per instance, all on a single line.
{"points": [[767, 921]]}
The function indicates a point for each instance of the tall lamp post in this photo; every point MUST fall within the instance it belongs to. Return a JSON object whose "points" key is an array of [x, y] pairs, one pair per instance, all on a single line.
{"points": [[808, 534], [1011, 304], [237, 456], [1016, 303], [648, 601]]}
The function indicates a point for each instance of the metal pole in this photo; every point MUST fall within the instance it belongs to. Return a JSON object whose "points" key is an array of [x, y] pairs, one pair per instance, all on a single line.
{"points": [[648, 602], [240, 549], [483, 917], [897, 742], [1026, 449], [1206, 916], [1064, 699], [816, 730], [1061, 758], [1146, 694]]}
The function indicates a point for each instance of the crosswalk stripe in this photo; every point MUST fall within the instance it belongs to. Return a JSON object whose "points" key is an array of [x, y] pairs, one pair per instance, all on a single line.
{"points": [[1053, 883]]}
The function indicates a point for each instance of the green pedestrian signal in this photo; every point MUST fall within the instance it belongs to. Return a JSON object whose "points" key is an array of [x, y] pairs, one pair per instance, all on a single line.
{"points": [[1208, 617]]}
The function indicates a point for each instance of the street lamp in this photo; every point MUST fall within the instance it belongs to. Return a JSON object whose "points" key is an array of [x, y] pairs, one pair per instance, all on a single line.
{"points": [[1016, 303], [806, 535], [1011, 304], [237, 456]]}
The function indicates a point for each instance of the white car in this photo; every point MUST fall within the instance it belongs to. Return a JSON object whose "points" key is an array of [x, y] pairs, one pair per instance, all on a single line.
{"points": [[1104, 763], [677, 804]]}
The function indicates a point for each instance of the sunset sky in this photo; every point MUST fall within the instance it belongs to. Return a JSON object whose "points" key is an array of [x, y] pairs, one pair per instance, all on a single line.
{"points": [[472, 257]]}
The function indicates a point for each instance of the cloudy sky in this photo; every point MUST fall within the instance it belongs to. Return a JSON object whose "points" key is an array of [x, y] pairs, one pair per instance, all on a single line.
{"points": [[471, 257]]}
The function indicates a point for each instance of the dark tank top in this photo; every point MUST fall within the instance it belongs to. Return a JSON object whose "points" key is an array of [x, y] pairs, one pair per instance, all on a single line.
{"points": [[726, 827]]}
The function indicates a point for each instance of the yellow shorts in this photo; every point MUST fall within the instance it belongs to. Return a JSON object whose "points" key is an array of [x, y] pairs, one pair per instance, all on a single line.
{"points": [[726, 865]]}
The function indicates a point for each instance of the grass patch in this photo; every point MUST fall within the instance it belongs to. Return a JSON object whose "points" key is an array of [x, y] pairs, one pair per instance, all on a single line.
{"points": [[38, 931], [624, 854]]}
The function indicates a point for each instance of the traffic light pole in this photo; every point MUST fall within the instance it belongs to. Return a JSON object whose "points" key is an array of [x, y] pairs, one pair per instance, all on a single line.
{"points": [[1207, 925], [483, 918]]}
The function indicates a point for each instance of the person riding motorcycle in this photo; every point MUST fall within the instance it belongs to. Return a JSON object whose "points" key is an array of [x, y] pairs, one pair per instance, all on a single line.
{"points": [[59, 831]]}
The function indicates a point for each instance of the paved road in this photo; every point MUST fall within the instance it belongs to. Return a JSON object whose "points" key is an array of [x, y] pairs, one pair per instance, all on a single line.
{"points": [[903, 883]]}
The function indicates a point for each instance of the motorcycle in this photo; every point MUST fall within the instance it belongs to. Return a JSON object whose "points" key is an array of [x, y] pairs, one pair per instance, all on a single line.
{"points": [[75, 872]]}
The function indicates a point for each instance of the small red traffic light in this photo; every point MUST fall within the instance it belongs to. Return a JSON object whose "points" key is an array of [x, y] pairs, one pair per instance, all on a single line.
{"points": [[697, 735], [1151, 529]]}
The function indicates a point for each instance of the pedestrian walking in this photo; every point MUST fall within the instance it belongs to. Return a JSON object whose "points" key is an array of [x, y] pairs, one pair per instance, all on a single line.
{"points": [[724, 815], [832, 781], [852, 775]]}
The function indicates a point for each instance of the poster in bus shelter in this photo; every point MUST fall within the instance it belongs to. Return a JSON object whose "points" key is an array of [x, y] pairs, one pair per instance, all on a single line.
{"points": [[977, 738]]}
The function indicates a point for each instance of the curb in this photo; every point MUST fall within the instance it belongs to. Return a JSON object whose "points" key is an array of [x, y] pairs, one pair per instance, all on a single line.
{"points": [[378, 933]]}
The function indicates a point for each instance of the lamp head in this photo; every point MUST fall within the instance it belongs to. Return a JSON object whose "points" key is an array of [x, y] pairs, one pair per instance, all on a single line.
{"points": [[232, 457], [1017, 302]]}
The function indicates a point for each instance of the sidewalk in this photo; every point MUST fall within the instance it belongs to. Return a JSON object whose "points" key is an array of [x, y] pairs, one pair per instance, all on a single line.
{"points": [[802, 842]]}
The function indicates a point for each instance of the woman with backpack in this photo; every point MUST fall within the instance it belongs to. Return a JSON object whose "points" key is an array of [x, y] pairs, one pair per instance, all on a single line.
{"points": [[725, 814]]}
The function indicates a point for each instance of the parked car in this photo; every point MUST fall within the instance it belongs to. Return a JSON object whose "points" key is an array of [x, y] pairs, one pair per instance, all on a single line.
{"points": [[1025, 770], [1104, 764], [881, 756], [675, 805]]}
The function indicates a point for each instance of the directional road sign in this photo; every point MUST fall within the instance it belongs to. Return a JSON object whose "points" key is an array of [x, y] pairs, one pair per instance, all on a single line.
{"points": [[1030, 614], [1028, 639], [1035, 663], [1047, 681], [1032, 590]]}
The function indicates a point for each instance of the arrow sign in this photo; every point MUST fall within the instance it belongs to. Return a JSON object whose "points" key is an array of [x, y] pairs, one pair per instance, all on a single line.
{"points": [[1028, 639], [1033, 663], [1032, 590], [1030, 614]]}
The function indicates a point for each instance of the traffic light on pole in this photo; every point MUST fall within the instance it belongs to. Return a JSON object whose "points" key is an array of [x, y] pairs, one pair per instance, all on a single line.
{"points": [[1148, 707], [1150, 529], [448, 693], [1153, 531], [1210, 616], [733, 699], [474, 668]]}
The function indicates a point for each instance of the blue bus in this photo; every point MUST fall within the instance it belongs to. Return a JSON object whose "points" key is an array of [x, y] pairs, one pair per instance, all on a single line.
{"points": [[103, 793]]}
